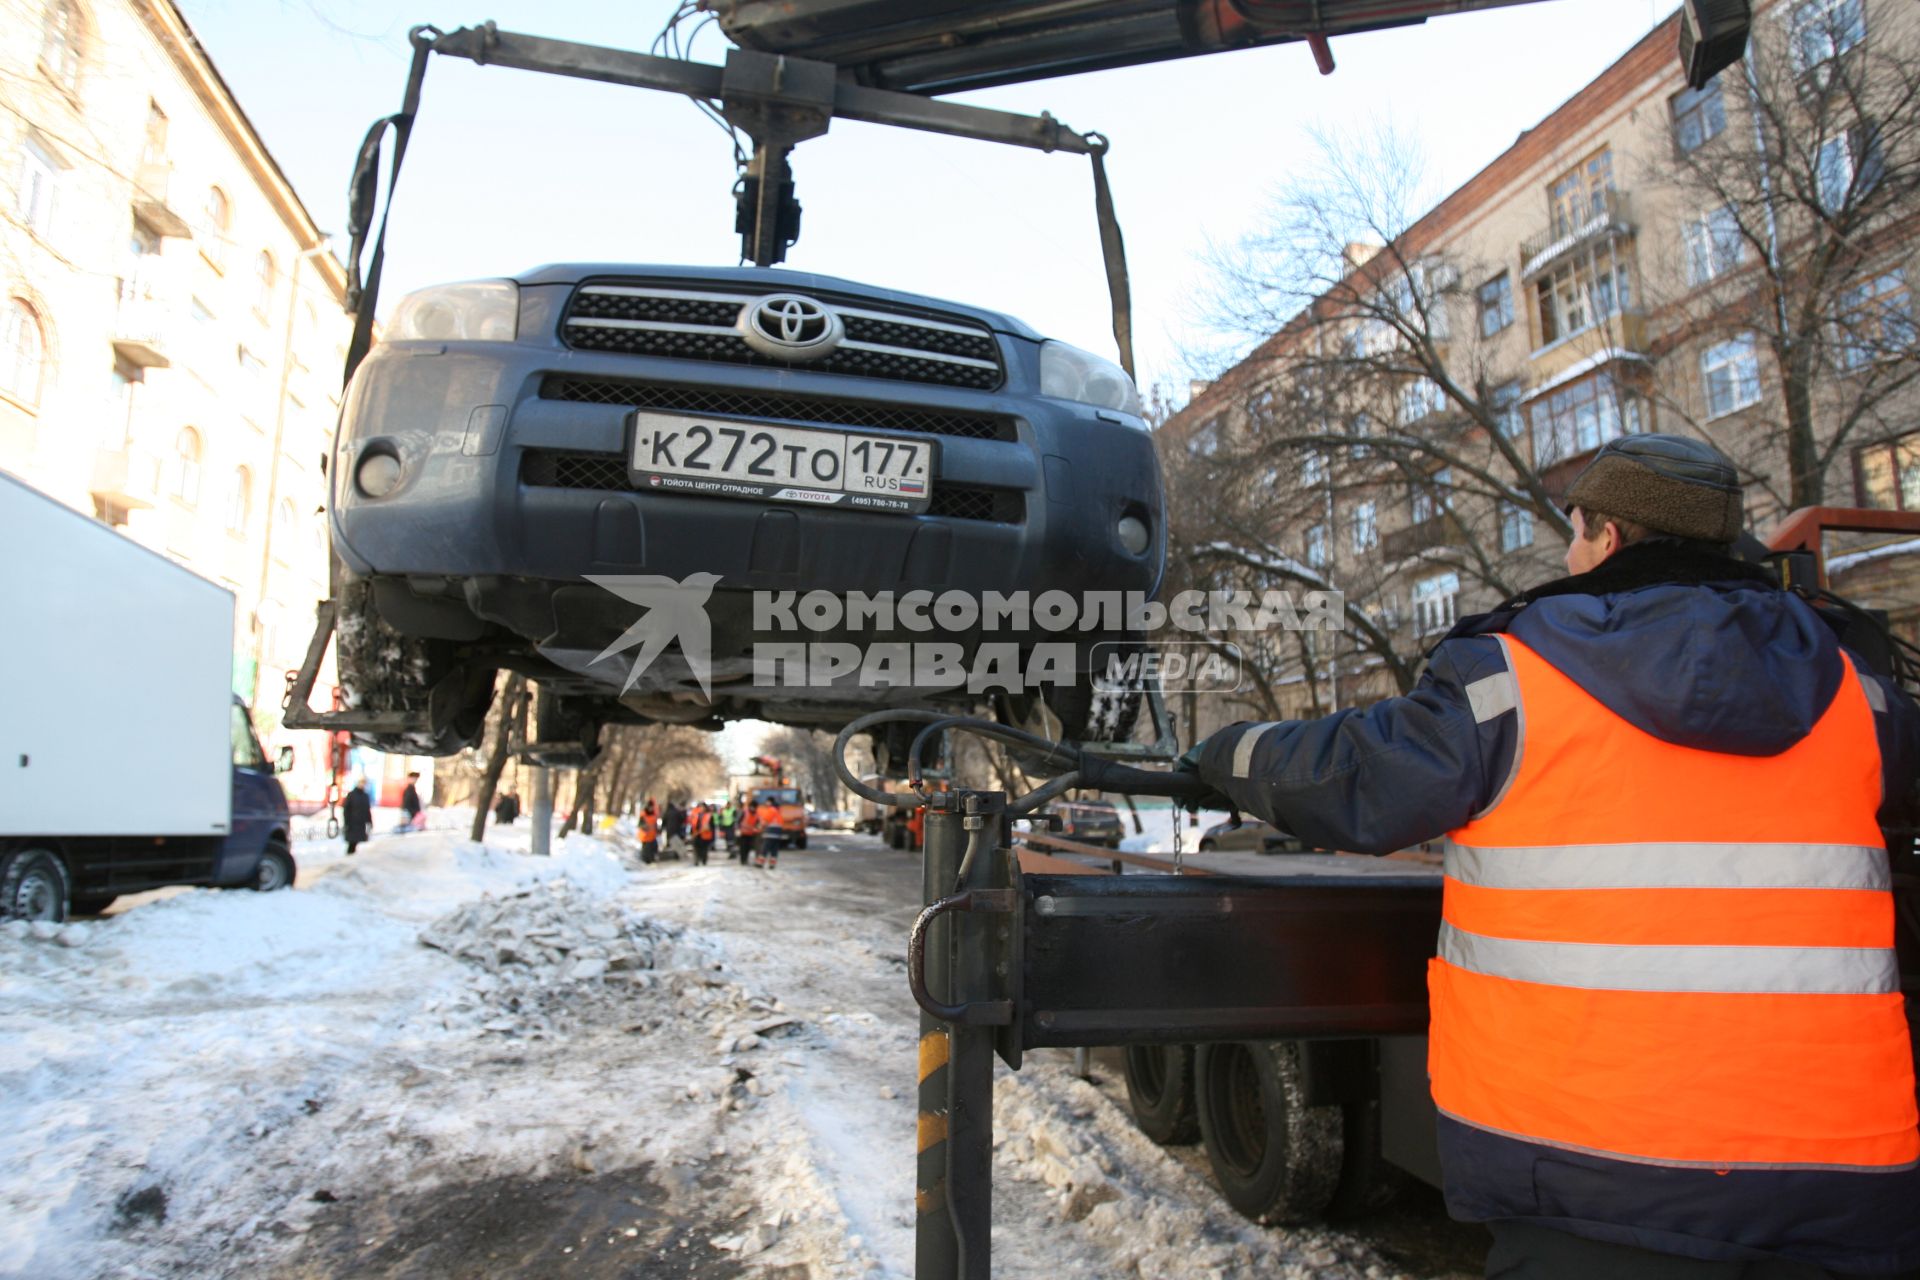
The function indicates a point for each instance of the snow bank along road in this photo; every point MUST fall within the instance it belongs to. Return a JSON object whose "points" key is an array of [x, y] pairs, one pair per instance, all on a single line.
{"points": [[444, 1059]]}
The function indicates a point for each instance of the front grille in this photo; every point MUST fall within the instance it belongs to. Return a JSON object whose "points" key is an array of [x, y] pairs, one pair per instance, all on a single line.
{"points": [[642, 319], [607, 472], [788, 408]]}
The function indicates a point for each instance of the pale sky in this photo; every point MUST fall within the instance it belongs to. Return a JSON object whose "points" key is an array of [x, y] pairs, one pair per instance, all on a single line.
{"points": [[509, 169]]}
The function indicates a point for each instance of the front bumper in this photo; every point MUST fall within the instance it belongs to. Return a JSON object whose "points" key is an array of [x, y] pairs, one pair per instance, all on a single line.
{"points": [[513, 487]]}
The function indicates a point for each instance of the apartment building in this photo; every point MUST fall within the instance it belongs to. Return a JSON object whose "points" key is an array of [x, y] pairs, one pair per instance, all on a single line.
{"points": [[173, 326], [1644, 259]]}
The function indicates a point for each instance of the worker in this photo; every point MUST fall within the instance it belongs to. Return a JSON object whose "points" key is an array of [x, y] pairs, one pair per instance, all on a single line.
{"points": [[649, 824], [766, 816], [1667, 1036], [728, 820], [700, 823], [917, 828], [747, 842]]}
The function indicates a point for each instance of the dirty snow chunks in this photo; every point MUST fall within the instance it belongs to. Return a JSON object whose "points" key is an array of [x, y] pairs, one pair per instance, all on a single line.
{"points": [[547, 948]]}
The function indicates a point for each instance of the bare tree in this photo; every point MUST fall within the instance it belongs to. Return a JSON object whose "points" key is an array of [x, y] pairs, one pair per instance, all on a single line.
{"points": [[1371, 434], [506, 717], [1797, 174]]}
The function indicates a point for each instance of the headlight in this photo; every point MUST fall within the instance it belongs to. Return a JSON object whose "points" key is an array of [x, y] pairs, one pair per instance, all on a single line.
{"points": [[1072, 374], [474, 311]]}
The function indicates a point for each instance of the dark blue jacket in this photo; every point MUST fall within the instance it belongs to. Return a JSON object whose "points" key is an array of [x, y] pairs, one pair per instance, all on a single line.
{"points": [[1698, 651]]}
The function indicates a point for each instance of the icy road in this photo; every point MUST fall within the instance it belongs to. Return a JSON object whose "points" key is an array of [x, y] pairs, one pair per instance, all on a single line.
{"points": [[441, 1059]]}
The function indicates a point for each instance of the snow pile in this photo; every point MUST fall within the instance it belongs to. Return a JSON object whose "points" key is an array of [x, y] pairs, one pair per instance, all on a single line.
{"points": [[1143, 1210], [546, 952]]}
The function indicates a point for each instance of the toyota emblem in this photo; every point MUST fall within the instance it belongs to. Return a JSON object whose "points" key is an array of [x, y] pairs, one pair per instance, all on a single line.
{"points": [[791, 326]]}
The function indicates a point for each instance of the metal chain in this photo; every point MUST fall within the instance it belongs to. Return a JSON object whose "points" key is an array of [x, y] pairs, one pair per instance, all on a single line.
{"points": [[1179, 858]]}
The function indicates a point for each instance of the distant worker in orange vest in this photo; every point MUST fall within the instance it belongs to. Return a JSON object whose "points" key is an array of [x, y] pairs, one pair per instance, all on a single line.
{"points": [[917, 828], [649, 833], [700, 827], [747, 842], [1668, 1038], [766, 817]]}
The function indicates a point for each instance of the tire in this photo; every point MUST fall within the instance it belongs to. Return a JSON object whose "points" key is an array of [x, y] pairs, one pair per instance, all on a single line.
{"points": [[95, 905], [383, 670], [1208, 846], [33, 886], [1277, 1160], [275, 871], [1160, 1091], [1367, 1183]]}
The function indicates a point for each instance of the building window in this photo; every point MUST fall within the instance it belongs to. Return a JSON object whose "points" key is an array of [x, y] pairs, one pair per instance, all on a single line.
{"points": [[1516, 526], [39, 184], [1261, 406], [1579, 196], [63, 44], [264, 276], [239, 501], [1313, 470], [1849, 167], [1887, 475], [1364, 527], [1875, 321], [286, 527], [1579, 294], [1421, 399], [1825, 29], [23, 353], [219, 216], [1433, 496], [117, 430], [251, 363], [1731, 371], [1579, 417], [155, 150], [1503, 402], [1360, 426], [1714, 244], [1496, 305], [1433, 602], [186, 466], [1205, 441], [1317, 546], [1699, 116]]}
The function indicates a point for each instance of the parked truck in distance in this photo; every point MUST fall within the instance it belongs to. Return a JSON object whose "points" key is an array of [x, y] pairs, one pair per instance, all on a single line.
{"points": [[126, 761]]}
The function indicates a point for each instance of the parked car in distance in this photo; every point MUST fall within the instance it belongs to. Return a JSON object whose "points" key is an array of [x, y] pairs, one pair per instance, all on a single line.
{"points": [[831, 820], [1250, 835], [1090, 822]]}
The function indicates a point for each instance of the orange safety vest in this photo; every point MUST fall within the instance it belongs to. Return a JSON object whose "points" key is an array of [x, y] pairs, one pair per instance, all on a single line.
{"points": [[1672, 956], [649, 826], [703, 825], [768, 815], [749, 820]]}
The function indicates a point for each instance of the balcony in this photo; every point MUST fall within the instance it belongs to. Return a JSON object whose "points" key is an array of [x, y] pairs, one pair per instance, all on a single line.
{"points": [[127, 477], [1442, 530], [1613, 220], [140, 327], [150, 182]]}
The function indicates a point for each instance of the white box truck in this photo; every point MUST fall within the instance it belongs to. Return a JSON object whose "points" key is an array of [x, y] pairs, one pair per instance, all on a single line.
{"points": [[126, 762]]}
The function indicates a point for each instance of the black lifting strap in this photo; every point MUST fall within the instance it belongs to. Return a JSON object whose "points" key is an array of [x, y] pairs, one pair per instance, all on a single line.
{"points": [[362, 194], [1114, 250]]}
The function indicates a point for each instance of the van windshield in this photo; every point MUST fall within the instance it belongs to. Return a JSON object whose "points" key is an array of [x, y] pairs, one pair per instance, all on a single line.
{"points": [[781, 795]]}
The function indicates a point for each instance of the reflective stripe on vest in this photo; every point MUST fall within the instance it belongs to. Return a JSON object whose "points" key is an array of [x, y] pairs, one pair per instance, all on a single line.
{"points": [[1675, 956]]}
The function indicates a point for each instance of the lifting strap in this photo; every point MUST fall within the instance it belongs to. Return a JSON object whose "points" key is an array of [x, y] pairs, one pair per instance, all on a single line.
{"points": [[1114, 251], [363, 193]]}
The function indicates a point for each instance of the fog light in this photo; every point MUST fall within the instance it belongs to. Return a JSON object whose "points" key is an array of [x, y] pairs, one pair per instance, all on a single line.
{"points": [[1134, 535], [378, 475]]}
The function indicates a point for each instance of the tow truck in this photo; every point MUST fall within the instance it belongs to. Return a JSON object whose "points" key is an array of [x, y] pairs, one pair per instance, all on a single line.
{"points": [[1304, 994]]}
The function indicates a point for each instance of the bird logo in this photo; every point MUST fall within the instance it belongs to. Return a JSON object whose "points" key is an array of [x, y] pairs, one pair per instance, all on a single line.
{"points": [[670, 611]]}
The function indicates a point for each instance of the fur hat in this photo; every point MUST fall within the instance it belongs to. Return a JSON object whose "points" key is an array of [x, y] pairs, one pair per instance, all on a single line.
{"points": [[1671, 484]]}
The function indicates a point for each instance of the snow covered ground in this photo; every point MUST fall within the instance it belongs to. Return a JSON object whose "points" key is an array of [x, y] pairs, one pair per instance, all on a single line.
{"points": [[442, 1058]]}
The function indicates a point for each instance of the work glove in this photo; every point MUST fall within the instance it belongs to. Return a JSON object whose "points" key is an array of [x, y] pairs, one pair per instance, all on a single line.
{"points": [[1205, 796]]}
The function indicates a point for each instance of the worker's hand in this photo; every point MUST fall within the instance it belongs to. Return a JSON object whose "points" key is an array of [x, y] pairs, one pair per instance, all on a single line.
{"points": [[1201, 795]]}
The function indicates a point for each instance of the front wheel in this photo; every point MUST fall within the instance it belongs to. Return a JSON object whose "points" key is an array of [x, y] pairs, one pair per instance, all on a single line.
{"points": [[33, 886], [1208, 846], [276, 870], [1277, 1159]]}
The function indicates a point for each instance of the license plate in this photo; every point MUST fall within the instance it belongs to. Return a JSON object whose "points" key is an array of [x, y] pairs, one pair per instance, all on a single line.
{"points": [[815, 466]]}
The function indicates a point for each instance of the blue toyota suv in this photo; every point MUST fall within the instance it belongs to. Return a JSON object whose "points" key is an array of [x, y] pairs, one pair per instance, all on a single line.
{"points": [[510, 441]]}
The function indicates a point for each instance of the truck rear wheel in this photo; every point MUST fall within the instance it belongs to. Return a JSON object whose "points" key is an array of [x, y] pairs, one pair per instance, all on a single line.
{"points": [[1160, 1090], [33, 886], [1277, 1159]]}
